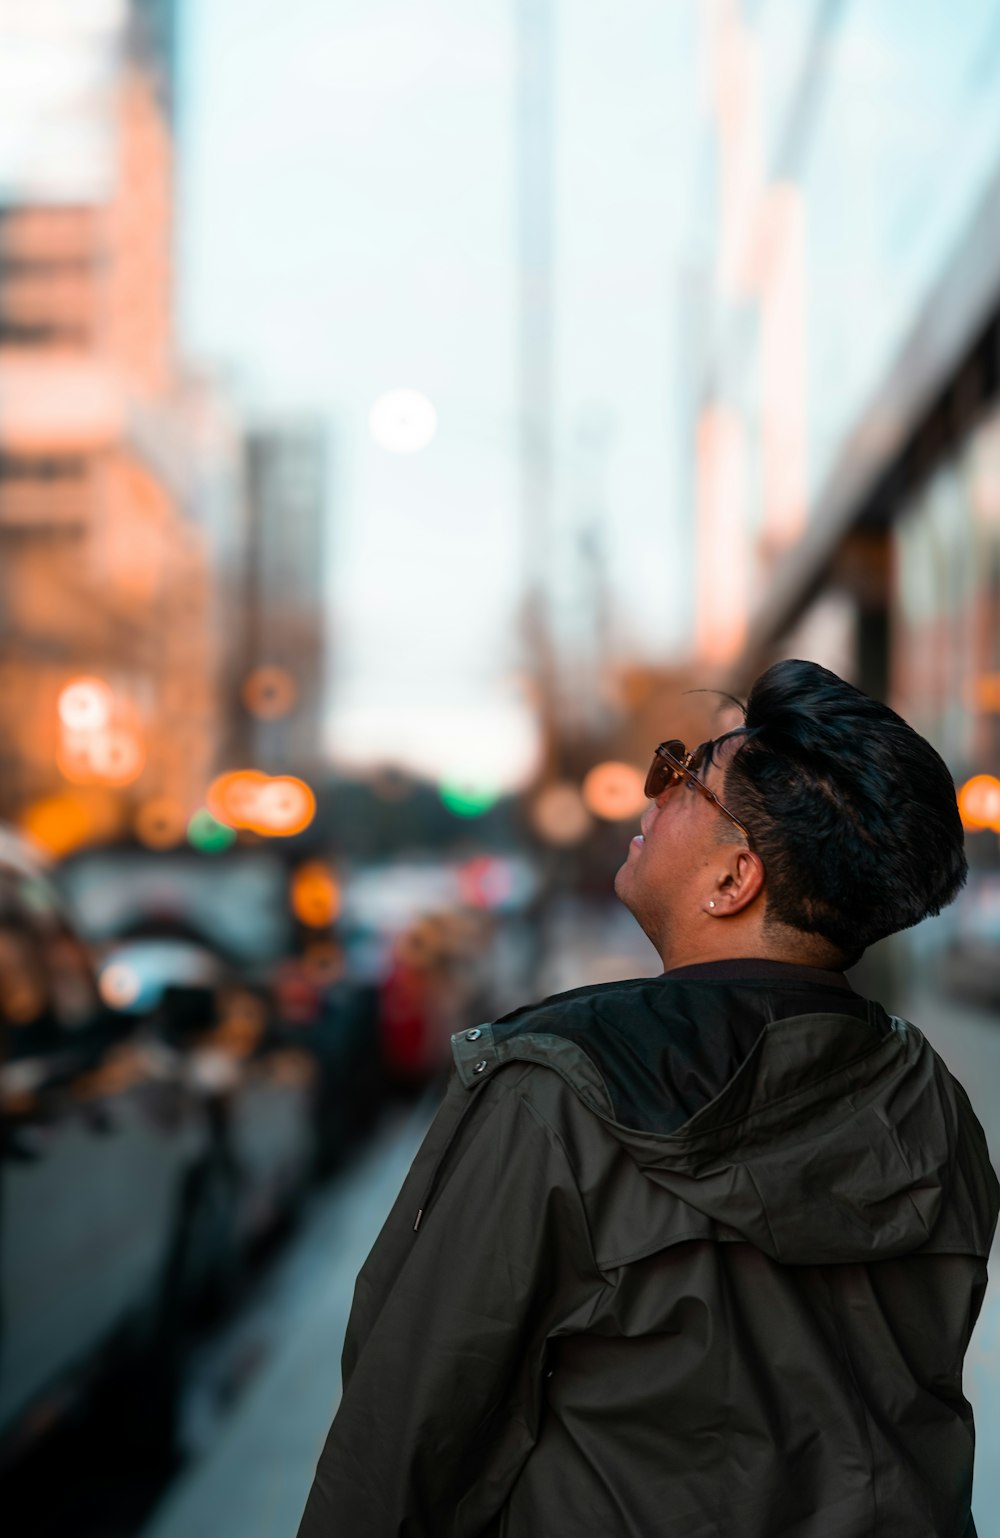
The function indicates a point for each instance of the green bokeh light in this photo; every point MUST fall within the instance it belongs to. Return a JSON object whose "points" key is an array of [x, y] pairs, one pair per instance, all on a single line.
{"points": [[209, 835], [464, 800]]}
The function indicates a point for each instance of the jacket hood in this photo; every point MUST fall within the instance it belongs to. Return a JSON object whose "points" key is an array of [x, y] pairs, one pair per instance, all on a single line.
{"points": [[837, 1139], [834, 1142]]}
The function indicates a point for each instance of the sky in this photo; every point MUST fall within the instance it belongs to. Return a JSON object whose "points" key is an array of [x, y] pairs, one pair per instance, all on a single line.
{"points": [[347, 227]]}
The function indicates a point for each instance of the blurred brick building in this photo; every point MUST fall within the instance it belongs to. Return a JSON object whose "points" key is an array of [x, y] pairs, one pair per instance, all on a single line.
{"points": [[104, 567]]}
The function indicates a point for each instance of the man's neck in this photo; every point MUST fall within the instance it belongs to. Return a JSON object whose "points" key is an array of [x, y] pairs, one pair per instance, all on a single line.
{"points": [[790, 950]]}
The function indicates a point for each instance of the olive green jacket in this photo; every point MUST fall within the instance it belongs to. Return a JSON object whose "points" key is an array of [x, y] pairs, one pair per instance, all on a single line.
{"points": [[750, 1326]]}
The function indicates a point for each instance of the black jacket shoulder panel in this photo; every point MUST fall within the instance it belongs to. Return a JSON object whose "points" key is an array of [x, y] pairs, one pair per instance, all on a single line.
{"points": [[480, 1051], [662, 1047]]}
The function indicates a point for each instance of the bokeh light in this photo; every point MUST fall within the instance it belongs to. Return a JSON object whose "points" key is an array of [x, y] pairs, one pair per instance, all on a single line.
{"points": [[559, 816], [58, 824], [269, 693], [979, 803], [614, 791], [284, 806], [85, 705], [161, 823], [119, 985], [315, 895], [232, 796], [209, 835], [465, 799], [275, 806], [111, 756]]}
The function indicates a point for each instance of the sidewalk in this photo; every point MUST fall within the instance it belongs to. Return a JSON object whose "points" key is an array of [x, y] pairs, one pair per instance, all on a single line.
{"points": [[968, 1038]]}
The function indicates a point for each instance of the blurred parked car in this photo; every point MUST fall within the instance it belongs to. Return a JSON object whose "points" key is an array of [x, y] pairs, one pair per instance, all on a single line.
{"points": [[111, 1180], [234, 901], [238, 905], [260, 1088]]}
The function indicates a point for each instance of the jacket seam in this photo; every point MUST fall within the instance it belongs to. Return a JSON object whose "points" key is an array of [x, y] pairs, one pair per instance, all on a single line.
{"points": [[579, 1087], [600, 1266], [775, 1247], [440, 1164], [684, 1139]]}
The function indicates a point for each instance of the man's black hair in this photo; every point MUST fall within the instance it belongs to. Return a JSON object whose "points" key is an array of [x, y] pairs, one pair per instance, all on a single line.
{"points": [[853, 812]]}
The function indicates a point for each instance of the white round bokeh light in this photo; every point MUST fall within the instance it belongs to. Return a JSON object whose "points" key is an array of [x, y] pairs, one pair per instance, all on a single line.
{"points": [[402, 421]]}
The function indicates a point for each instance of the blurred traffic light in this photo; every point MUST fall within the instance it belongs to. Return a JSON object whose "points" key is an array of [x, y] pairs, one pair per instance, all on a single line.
{"points": [[209, 835], [466, 800]]}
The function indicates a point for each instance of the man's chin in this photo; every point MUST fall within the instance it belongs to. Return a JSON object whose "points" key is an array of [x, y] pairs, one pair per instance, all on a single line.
{"points": [[622, 884]]}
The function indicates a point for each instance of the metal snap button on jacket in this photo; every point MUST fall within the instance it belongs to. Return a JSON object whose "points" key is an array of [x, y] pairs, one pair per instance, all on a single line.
{"points": [[481, 1066], [474, 1034]]}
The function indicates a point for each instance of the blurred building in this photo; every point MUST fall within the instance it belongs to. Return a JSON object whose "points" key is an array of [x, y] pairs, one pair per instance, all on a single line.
{"points": [[104, 575], [284, 597], [841, 395]]}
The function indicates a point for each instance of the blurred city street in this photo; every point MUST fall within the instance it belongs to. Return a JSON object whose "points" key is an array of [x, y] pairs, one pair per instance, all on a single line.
{"points": [[421, 427]]}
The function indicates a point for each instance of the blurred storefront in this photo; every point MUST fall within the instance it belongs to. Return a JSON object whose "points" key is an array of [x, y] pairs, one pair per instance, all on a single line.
{"points": [[850, 347]]}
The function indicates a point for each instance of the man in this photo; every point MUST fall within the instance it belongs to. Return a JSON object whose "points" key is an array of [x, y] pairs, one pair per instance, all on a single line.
{"points": [[697, 1255]]}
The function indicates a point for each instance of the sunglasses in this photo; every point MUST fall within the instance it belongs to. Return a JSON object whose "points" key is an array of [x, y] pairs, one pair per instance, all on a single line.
{"points": [[672, 763]]}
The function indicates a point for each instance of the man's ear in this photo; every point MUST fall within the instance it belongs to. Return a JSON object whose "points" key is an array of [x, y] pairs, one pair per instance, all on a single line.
{"points": [[742, 883]]}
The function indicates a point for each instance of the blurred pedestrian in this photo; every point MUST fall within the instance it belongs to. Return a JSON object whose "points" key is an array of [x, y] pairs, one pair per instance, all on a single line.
{"points": [[413, 1004], [698, 1254]]}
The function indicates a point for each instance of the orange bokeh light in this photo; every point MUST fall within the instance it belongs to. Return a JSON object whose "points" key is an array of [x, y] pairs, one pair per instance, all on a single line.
{"points": [[71, 819], [614, 791], [58, 824], [285, 805], [161, 823], [85, 705], [269, 693], [315, 895], [112, 757], [559, 816], [979, 803], [275, 807], [232, 796], [983, 693]]}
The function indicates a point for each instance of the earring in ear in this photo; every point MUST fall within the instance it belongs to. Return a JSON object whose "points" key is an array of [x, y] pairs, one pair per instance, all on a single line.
{"points": [[711, 905]]}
